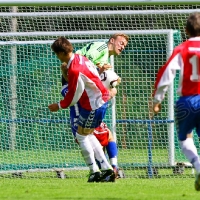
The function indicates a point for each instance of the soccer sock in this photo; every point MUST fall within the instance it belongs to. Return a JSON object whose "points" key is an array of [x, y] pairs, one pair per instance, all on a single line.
{"points": [[87, 152], [112, 151], [98, 164], [190, 152], [99, 153]]}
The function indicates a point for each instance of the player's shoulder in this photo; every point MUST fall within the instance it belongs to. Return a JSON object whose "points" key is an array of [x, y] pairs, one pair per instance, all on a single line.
{"points": [[99, 43], [79, 59], [100, 46], [185, 46], [180, 47], [76, 62]]}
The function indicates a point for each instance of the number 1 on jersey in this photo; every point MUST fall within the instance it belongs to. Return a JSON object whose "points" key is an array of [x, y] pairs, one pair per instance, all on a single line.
{"points": [[194, 61]]}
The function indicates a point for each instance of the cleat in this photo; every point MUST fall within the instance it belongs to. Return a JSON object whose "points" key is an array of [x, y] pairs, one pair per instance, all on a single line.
{"points": [[197, 182], [108, 176], [94, 177]]}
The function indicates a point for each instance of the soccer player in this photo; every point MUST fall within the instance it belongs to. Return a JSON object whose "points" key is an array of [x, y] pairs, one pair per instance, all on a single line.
{"points": [[99, 53], [186, 58], [86, 88]]}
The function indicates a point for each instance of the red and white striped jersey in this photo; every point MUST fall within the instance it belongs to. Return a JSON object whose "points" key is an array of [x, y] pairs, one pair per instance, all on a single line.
{"points": [[186, 58], [84, 85]]}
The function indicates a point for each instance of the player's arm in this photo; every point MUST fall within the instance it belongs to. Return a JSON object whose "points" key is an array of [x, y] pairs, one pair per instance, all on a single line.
{"points": [[75, 90], [97, 53], [102, 62], [164, 78], [103, 68], [64, 71]]}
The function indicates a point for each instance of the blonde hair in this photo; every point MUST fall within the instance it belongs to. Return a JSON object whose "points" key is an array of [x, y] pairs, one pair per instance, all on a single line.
{"points": [[114, 36]]}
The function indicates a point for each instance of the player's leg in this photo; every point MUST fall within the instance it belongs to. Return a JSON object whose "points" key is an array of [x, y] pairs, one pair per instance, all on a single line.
{"points": [[99, 153], [187, 116], [197, 164], [88, 155], [112, 152], [88, 120], [106, 139], [104, 136], [74, 113]]}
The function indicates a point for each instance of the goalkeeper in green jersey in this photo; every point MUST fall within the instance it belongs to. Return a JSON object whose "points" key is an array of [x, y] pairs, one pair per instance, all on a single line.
{"points": [[99, 53]]}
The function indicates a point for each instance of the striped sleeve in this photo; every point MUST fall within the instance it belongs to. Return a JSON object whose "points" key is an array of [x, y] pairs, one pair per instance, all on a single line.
{"points": [[97, 52], [166, 75]]}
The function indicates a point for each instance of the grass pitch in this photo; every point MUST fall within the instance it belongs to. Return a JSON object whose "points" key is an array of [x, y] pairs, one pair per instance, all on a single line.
{"points": [[136, 185], [74, 189]]}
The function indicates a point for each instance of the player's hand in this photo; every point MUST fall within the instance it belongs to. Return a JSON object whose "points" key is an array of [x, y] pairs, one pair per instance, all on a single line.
{"points": [[64, 71], [106, 67], [53, 107], [156, 107], [103, 68], [112, 92]]}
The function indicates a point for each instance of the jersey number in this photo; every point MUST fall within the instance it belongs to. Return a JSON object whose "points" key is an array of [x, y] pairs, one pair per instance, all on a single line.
{"points": [[194, 61]]}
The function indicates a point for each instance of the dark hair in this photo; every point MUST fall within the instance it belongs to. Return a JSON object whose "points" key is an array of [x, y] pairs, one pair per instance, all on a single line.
{"points": [[62, 45], [193, 25]]}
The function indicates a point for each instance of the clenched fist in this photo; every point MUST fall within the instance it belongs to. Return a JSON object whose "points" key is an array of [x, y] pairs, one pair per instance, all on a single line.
{"points": [[53, 107]]}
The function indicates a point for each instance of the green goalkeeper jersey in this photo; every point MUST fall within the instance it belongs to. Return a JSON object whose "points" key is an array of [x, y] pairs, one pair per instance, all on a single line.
{"points": [[97, 52]]}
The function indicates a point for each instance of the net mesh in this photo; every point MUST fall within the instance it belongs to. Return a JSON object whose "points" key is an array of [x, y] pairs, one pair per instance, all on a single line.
{"points": [[33, 139]]}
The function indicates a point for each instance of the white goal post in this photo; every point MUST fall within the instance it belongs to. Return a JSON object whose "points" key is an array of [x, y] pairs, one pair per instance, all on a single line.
{"points": [[169, 48]]}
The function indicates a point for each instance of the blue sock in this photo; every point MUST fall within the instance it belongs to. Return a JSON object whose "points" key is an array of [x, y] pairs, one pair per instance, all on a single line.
{"points": [[111, 149]]}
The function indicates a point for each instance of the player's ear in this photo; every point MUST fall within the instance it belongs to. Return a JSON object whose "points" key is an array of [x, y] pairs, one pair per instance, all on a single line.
{"points": [[112, 40]]}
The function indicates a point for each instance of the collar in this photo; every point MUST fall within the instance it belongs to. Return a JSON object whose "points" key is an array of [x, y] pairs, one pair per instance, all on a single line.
{"points": [[72, 58]]}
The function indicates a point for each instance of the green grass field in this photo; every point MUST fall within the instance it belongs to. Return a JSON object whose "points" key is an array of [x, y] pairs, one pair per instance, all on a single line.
{"points": [[73, 189], [136, 185]]}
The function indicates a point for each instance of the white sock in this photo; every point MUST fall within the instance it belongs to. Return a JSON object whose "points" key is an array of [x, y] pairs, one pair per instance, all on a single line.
{"points": [[113, 161], [190, 151], [99, 153], [87, 152]]}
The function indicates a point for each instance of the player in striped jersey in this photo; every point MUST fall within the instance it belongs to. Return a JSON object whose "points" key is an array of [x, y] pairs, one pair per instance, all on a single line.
{"points": [[186, 58], [86, 88], [99, 53]]}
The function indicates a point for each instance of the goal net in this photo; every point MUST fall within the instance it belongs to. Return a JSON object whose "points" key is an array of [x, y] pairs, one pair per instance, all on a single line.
{"points": [[35, 140]]}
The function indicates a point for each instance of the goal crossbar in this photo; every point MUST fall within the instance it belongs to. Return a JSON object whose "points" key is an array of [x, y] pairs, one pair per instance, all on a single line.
{"points": [[96, 32], [86, 14], [92, 2]]}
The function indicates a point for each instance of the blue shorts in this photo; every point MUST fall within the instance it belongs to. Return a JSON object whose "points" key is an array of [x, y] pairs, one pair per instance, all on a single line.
{"points": [[187, 115], [82, 117], [74, 110], [74, 115], [92, 119], [85, 118]]}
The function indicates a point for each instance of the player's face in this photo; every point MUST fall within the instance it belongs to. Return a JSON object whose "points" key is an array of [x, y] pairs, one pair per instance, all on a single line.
{"points": [[119, 45]]}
